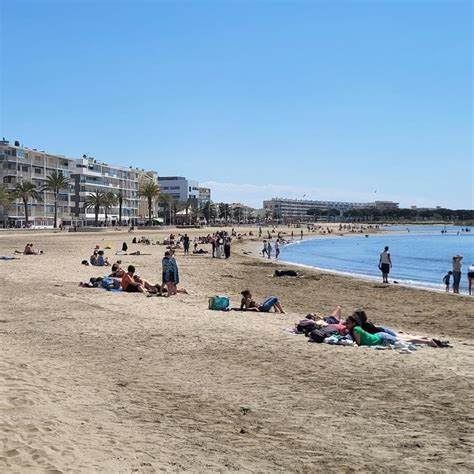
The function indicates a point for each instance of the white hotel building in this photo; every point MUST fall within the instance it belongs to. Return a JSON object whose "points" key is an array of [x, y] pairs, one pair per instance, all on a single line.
{"points": [[296, 209]]}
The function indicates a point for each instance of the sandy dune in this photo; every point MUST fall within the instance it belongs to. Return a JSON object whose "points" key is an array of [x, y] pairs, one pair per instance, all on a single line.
{"points": [[98, 381]]}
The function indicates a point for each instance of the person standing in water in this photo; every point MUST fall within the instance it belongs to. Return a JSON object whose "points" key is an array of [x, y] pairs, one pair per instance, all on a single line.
{"points": [[457, 263], [470, 275], [385, 264]]}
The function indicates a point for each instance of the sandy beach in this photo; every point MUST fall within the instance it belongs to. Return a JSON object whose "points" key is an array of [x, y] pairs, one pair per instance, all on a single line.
{"points": [[96, 381]]}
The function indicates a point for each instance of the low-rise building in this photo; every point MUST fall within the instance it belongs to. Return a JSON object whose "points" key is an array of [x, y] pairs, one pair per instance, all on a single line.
{"points": [[296, 209]]}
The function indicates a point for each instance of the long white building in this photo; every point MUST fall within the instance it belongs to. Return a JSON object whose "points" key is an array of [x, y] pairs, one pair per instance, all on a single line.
{"points": [[86, 175], [296, 209]]}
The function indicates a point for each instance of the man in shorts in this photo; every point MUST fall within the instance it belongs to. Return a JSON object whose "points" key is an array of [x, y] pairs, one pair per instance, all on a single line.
{"points": [[385, 263]]}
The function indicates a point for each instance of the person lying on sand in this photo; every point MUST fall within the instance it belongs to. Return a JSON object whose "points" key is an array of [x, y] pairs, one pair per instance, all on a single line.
{"points": [[314, 320], [248, 304], [370, 327], [363, 338], [132, 283]]}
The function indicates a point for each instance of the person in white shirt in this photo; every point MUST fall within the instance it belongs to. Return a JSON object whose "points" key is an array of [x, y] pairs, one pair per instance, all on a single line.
{"points": [[385, 264]]}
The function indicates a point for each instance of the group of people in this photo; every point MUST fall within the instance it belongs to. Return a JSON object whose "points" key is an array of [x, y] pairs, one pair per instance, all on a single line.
{"points": [[267, 249], [456, 274], [358, 330], [129, 281]]}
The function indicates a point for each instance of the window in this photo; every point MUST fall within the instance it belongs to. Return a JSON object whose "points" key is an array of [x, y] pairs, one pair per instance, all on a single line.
{"points": [[38, 170], [24, 168]]}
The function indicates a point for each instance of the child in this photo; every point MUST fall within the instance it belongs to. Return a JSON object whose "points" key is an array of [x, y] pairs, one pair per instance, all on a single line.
{"points": [[446, 280]]}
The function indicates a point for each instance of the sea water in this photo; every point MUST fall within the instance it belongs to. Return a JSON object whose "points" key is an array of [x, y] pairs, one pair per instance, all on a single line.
{"points": [[421, 255]]}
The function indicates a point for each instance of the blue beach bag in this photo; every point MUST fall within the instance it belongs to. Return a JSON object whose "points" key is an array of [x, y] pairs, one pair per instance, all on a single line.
{"points": [[219, 303]]}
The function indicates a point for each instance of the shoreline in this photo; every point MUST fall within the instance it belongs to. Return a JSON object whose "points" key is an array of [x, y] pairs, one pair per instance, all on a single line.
{"points": [[357, 276]]}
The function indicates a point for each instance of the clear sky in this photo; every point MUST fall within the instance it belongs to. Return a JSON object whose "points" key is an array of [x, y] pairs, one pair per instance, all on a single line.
{"points": [[341, 100]]}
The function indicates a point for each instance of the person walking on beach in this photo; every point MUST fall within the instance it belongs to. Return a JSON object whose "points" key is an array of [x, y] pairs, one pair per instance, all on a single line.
{"points": [[264, 250], [269, 250], [385, 263], [277, 248], [186, 244], [446, 280], [457, 263]]}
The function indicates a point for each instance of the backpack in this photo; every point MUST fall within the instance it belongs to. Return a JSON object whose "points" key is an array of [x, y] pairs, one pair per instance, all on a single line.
{"points": [[108, 283], [219, 303], [306, 326], [318, 335]]}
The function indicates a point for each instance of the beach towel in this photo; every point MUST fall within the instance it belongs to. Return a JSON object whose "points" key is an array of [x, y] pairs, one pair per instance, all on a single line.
{"points": [[5, 257]]}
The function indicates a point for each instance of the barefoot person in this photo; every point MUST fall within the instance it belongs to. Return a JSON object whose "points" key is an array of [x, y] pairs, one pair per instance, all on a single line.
{"points": [[364, 338], [385, 264], [470, 277], [457, 263], [248, 304], [132, 283]]}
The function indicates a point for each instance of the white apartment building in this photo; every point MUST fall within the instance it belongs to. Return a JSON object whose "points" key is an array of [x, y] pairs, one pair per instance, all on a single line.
{"points": [[204, 196], [18, 163], [86, 175], [89, 176], [296, 209], [180, 188]]}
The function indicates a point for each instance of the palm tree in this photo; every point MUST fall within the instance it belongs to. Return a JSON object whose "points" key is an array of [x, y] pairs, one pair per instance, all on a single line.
{"points": [[120, 204], [25, 191], [5, 196], [110, 200], [54, 183], [150, 191], [95, 201], [165, 201]]}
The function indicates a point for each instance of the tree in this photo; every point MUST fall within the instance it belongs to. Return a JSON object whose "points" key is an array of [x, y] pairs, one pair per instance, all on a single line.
{"points": [[110, 200], [208, 211], [165, 201], [6, 196], [120, 204], [225, 211], [54, 183], [95, 201], [25, 191], [150, 191]]}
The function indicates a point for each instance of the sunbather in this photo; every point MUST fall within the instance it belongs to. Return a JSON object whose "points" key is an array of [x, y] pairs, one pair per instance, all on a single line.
{"points": [[364, 338], [248, 304]]}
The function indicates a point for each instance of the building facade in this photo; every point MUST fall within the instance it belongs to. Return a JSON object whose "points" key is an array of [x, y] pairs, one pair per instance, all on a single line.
{"points": [[296, 209], [180, 188], [18, 164], [204, 196], [90, 176], [144, 177], [86, 176]]}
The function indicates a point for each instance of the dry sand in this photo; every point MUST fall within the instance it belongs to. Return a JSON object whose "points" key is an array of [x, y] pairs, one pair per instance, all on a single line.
{"points": [[97, 381]]}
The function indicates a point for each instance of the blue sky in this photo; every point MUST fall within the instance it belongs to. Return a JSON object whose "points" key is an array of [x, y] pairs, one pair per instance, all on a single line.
{"points": [[344, 100]]}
